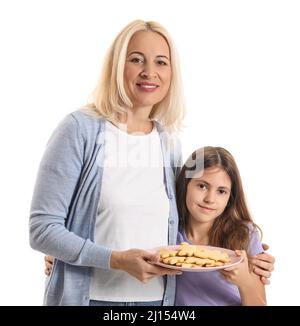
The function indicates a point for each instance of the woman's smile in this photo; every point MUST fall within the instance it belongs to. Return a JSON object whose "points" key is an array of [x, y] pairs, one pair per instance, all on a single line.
{"points": [[147, 87]]}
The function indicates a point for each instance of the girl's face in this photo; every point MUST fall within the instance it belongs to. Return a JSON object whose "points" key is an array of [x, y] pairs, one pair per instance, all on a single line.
{"points": [[147, 74], [208, 194]]}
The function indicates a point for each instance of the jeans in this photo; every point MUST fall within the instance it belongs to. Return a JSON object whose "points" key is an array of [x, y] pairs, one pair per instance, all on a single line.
{"points": [[127, 304]]}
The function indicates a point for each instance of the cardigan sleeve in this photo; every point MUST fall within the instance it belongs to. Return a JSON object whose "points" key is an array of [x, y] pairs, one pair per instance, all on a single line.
{"points": [[56, 184]]}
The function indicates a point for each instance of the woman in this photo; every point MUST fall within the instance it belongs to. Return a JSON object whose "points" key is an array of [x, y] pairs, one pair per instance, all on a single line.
{"points": [[96, 197]]}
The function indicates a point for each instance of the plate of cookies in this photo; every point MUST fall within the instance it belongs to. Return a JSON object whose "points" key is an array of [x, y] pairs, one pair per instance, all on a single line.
{"points": [[194, 258]]}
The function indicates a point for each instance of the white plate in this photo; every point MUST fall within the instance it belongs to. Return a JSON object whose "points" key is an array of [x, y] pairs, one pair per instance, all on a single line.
{"points": [[235, 260]]}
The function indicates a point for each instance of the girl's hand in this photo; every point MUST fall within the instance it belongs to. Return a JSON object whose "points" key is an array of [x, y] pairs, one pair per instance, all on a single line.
{"points": [[48, 264], [239, 274], [263, 265], [136, 263]]}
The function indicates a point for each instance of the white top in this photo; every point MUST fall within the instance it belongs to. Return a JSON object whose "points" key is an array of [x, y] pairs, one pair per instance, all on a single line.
{"points": [[133, 211]]}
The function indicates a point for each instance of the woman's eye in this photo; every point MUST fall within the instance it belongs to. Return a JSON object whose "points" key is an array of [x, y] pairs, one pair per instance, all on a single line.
{"points": [[136, 60], [162, 63], [202, 186], [222, 192]]}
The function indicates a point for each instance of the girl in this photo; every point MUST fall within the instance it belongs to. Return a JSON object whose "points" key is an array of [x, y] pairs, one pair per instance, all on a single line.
{"points": [[213, 211]]}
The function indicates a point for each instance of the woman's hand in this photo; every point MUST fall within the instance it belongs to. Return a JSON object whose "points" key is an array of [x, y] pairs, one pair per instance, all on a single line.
{"points": [[239, 274], [133, 261], [251, 289], [136, 263], [263, 265], [48, 264]]}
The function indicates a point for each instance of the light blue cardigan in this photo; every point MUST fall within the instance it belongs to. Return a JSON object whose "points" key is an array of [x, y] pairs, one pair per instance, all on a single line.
{"points": [[64, 206]]}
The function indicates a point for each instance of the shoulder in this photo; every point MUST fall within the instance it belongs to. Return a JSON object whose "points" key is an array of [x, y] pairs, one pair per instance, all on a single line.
{"points": [[171, 140], [81, 122], [255, 245], [180, 237], [86, 118]]}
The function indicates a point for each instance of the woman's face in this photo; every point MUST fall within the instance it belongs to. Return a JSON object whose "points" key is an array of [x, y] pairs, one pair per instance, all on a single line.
{"points": [[147, 73], [208, 194]]}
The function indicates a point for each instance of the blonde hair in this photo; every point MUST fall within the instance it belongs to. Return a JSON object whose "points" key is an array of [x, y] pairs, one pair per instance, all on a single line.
{"points": [[109, 97]]}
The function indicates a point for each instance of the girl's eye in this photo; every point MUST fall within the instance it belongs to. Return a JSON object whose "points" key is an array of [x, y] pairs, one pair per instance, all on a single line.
{"points": [[222, 192], [202, 186]]}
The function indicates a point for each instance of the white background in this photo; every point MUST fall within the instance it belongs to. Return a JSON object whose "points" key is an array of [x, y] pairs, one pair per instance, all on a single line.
{"points": [[241, 68]]}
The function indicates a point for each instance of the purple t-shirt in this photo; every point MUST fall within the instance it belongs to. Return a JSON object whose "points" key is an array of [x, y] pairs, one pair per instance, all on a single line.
{"points": [[209, 288]]}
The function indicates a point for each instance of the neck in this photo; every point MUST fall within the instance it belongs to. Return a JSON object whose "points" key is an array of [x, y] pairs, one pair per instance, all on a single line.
{"points": [[137, 120], [197, 232]]}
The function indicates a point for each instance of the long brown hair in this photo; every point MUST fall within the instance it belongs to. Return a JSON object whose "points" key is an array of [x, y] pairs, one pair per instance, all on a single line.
{"points": [[230, 229]]}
